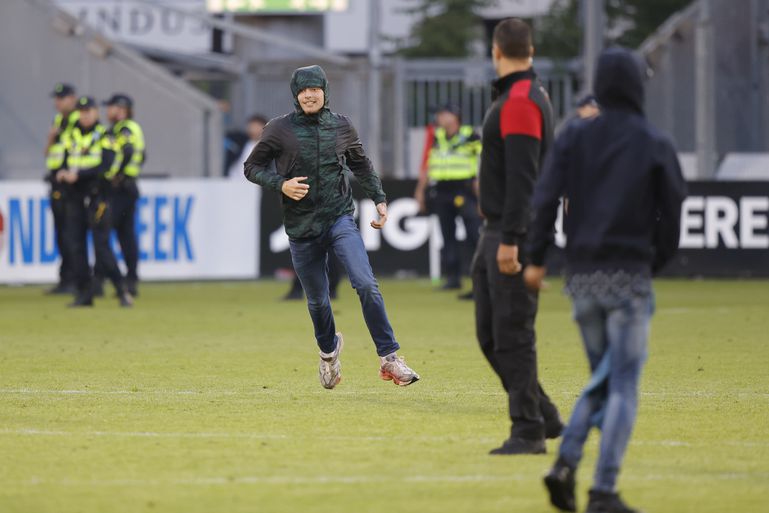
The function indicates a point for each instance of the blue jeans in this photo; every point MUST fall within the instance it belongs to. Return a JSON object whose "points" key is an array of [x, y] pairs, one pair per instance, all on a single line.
{"points": [[310, 258], [615, 332]]}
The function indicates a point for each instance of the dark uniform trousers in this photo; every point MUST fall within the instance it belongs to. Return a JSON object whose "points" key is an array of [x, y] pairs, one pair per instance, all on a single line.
{"points": [[451, 199], [58, 199], [123, 204], [505, 311], [90, 212]]}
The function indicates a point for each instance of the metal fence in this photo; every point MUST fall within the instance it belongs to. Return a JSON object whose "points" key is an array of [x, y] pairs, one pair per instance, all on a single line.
{"points": [[425, 84], [419, 86]]}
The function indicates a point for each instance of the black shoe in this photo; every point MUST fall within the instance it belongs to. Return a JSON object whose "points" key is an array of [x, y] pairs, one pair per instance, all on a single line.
{"points": [[62, 289], [560, 483], [467, 296], [607, 502], [553, 428], [516, 445], [132, 287], [81, 300], [451, 285], [126, 301]]}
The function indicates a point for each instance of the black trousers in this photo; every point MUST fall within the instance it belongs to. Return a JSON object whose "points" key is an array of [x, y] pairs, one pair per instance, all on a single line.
{"points": [[58, 202], [505, 311], [449, 200], [83, 213], [123, 205]]}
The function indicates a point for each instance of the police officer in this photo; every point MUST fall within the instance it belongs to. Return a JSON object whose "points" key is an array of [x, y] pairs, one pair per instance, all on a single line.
{"points": [[130, 156], [88, 158], [64, 100], [451, 169]]}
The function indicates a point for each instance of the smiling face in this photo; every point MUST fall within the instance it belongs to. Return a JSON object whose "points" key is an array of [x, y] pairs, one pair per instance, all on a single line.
{"points": [[311, 99]]}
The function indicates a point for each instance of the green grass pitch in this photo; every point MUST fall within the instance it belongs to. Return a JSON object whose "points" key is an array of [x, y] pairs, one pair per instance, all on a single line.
{"points": [[205, 398]]}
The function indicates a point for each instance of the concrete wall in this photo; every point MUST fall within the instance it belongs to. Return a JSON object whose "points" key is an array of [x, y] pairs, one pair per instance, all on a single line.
{"points": [[182, 125], [740, 77]]}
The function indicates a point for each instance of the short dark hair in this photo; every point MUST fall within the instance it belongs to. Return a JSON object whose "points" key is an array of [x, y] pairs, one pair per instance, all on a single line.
{"points": [[257, 118], [513, 38]]}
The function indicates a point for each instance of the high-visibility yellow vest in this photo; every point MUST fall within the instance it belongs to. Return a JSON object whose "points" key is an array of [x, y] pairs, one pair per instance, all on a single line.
{"points": [[84, 151], [135, 139], [455, 158], [55, 155]]}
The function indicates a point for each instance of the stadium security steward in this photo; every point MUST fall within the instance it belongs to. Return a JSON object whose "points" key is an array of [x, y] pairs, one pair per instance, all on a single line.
{"points": [[517, 132], [88, 157], [452, 171], [66, 116], [129, 159]]}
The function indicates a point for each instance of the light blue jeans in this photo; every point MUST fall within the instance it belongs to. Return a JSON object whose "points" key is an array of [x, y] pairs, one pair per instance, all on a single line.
{"points": [[310, 257], [614, 331]]}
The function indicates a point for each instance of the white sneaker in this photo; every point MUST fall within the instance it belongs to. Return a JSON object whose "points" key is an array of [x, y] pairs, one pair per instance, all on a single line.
{"points": [[394, 368], [330, 368]]}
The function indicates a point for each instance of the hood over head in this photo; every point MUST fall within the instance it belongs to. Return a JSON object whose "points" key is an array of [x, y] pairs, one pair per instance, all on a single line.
{"points": [[309, 76], [619, 80]]}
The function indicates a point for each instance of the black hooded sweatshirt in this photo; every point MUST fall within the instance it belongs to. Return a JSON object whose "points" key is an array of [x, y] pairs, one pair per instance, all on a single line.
{"points": [[621, 177]]}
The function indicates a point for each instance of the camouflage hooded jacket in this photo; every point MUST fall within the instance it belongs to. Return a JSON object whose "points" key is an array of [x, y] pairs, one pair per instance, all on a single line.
{"points": [[322, 147]]}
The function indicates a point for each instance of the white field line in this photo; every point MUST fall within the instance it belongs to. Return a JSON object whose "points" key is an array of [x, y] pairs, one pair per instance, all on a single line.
{"points": [[347, 438], [357, 480], [258, 392]]}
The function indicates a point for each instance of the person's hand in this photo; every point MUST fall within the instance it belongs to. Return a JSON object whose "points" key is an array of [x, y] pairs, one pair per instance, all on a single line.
{"points": [[381, 209], [71, 177], [419, 195], [294, 189], [533, 277], [507, 259], [66, 176]]}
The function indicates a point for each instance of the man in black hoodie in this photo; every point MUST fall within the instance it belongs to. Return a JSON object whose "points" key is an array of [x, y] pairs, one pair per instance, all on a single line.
{"points": [[625, 191], [517, 132]]}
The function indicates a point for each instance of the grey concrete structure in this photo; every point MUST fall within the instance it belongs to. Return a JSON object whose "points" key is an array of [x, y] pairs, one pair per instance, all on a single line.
{"points": [[40, 45], [710, 83]]}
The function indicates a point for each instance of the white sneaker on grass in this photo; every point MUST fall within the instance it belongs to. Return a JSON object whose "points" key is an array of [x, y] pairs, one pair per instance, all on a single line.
{"points": [[394, 368], [330, 368]]}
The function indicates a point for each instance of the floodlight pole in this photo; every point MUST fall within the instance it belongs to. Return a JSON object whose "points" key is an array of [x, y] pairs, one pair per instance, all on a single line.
{"points": [[704, 91], [374, 85], [594, 17]]}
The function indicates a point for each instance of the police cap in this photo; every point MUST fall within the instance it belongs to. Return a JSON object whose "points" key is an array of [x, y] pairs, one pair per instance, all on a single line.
{"points": [[60, 90], [119, 99], [86, 102]]}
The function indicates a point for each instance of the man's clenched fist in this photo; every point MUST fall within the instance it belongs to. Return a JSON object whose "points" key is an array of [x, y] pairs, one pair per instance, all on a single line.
{"points": [[294, 189]]}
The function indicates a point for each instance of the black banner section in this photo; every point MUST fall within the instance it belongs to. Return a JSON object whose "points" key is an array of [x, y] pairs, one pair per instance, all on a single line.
{"points": [[401, 248], [724, 232]]}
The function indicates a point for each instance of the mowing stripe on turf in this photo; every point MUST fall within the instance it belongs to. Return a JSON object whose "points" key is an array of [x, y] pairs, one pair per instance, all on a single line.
{"points": [[262, 391], [276, 436], [356, 480]]}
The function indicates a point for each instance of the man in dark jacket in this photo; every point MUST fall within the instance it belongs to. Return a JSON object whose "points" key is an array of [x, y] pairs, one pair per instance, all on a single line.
{"points": [[517, 132], [314, 149], [625, 191]]}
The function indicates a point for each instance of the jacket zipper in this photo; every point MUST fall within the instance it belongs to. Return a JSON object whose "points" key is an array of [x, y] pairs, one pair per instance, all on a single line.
{"points": [[317, 159]]}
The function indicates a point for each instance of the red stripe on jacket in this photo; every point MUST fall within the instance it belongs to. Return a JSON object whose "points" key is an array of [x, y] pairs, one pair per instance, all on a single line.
{"points": [[520, 115]]}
